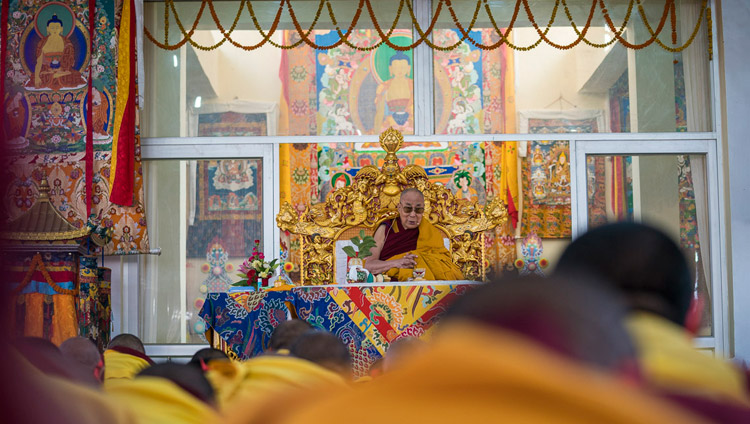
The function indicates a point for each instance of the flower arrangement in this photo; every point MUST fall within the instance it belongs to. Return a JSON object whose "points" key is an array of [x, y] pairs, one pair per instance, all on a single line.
{"points": [[356, 273], [255, 267]]}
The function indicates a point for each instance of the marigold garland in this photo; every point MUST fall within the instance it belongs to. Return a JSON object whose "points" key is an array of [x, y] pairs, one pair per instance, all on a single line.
{"points": [[424, 33]]}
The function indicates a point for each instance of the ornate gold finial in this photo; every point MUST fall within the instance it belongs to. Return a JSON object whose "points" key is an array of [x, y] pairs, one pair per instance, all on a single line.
{"points": [[391, 140], [44, 190]]}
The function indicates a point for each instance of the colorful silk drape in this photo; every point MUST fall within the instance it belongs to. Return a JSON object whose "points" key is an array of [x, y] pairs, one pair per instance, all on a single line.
{"points": [[366, 319]]}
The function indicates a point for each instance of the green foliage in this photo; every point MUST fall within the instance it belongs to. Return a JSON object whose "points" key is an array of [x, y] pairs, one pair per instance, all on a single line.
{"points": [[363, 243]]}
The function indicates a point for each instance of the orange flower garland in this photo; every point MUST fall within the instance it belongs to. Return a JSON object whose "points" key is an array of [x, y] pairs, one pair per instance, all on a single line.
{"points": [[424, 34]]}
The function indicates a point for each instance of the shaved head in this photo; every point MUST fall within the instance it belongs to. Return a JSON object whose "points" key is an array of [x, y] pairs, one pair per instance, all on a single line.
{"points": [[324, 349], [411, 191], [83, 351], [287, 333], [127, 340]]}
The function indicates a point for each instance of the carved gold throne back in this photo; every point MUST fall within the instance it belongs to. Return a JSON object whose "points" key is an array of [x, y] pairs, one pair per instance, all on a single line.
{"points": [[372, 198]]}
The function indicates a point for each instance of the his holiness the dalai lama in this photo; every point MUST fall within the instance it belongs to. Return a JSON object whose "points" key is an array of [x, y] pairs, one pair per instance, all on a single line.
{"points": [[410, 242]]}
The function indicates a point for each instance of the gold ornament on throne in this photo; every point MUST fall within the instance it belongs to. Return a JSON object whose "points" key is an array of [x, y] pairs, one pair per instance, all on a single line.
{"points": [[372, 198]]}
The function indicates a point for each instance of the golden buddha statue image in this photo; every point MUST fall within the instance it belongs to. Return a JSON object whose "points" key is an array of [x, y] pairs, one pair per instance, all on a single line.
{"points": [[394, 99]]}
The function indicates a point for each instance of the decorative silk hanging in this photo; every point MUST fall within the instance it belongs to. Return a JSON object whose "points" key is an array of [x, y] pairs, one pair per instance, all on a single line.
{"points": [[89, 155], [123, 145]]}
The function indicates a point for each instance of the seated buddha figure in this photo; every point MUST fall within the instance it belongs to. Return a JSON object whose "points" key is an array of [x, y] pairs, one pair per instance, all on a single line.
{"points": [[409, 242], [55, 60], [394, 98]]}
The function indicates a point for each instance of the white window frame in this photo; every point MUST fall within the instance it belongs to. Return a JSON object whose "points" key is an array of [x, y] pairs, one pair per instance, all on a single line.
{"points": [[654, 144], [201, 148], [125, 291]]}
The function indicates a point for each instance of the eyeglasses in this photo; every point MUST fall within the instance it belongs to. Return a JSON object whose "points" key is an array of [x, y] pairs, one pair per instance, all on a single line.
{"points": [[408, 209]]}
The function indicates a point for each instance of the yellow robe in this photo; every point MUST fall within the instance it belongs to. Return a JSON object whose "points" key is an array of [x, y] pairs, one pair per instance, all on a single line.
{"points": [[248, 383], [670, 361], [118, 365], [478, 375], [154, 400], [431, 255]]}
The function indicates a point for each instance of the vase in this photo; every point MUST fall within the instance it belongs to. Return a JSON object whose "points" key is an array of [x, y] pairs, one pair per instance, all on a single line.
{"points": [[355, 271], [262, 283]]}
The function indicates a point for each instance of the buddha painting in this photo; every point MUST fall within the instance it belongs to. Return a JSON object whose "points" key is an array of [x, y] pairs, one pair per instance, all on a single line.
{"points": [[55, 50], [559, 172], [394, 98], [100, 112]]}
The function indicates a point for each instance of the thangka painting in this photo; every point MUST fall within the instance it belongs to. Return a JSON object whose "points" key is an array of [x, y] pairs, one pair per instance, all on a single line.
{"points": [[228, 207], [46, 76], [227, 124], [458, 166], [44, 116], [343, 91], [229, 189], [546, 170], [619, 105], [299, 161], [473, 87], [546, 193], [364, 92]]}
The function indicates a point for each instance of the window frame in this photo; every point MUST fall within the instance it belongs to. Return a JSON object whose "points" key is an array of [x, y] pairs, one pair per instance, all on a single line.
{"points": [[710, 143], [719, 340]]}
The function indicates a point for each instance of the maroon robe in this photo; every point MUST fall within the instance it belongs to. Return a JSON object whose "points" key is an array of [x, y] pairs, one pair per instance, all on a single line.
{"points": [[398, 240]]}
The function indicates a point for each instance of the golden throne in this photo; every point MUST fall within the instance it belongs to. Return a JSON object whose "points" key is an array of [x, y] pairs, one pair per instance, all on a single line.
{"points": [[371, 199]]}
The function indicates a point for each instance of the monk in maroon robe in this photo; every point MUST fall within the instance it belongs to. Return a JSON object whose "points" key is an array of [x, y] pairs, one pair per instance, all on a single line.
{"points": [[409, 243]]}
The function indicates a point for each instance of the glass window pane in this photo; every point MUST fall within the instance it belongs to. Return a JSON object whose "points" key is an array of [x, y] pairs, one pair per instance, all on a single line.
{"points": [[640, 89], [666, 191], [207, 215], [234, 91]]}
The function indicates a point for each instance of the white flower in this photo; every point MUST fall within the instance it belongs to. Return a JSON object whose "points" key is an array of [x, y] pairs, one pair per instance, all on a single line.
{"points": [[263, 275], [16, 15], [257, 263]]}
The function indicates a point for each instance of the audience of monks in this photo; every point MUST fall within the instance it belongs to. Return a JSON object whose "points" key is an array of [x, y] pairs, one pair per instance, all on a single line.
{"points": [[605, 339]]}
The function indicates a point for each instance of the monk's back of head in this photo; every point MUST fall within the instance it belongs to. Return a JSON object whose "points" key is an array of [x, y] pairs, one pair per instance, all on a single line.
{"points": [[128, 341], [207, 354], [287, 333], [83, 351], [324, 349], [189, 378], [579, 320], [639, 261], [402, 348]]}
